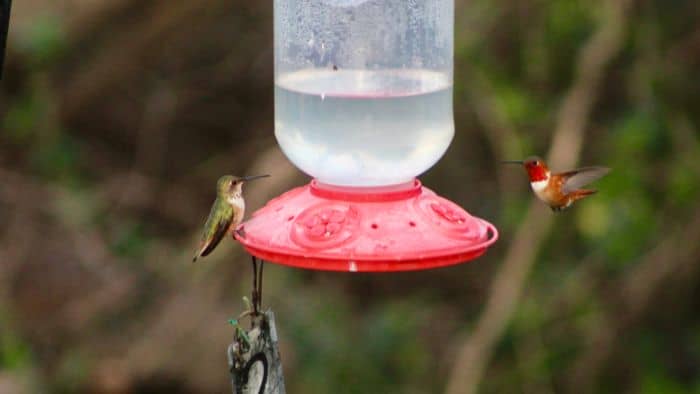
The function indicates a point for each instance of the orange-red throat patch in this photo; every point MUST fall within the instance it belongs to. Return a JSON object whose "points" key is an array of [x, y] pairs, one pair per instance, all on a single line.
{"points": [[537, 173]]}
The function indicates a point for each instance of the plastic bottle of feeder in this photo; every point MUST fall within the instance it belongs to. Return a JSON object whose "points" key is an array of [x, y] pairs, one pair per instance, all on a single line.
{"points": [[363, 89]]}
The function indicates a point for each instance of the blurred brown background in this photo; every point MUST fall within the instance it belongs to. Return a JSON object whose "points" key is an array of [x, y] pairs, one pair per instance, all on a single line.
{"points": [[118, 116]]}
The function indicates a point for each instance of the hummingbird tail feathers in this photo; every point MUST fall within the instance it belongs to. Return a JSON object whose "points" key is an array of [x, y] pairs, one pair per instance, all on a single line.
{"points": [[582, 193], [573, 197], [586, 192], [202, 251]]}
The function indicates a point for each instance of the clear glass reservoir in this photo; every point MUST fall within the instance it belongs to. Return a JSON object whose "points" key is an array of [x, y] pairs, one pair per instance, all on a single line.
{"points": [[363, 88]]}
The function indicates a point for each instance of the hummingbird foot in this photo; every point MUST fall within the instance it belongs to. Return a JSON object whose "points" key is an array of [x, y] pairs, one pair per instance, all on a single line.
{"points": [[241, 231], [560, 208]]}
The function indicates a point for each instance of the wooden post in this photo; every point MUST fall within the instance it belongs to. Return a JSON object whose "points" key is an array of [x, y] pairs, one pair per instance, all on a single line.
{"points": [[254, 358]]}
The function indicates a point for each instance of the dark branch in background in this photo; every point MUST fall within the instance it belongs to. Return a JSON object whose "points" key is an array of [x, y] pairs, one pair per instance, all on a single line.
{"points": [[5, 7], [507, 286]]}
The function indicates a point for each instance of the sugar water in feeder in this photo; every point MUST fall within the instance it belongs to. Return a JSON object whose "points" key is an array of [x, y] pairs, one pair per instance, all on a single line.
{"points": [[363, 89]]}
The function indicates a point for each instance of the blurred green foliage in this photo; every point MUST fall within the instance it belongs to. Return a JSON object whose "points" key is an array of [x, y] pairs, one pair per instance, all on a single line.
{"points": [[43, 40], [14, 353], [353, 350]]}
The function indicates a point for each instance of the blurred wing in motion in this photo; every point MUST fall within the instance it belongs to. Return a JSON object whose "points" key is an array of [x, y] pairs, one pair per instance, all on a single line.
{"points": [[576, 179]]}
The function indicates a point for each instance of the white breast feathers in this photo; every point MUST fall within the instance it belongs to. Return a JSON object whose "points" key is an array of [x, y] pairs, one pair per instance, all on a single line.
{"points": [[238, 203], [539, 188]]}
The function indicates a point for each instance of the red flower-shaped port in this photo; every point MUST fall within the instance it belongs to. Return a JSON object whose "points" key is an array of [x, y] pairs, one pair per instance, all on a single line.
{"points": [[448, 213], [325, 224]]}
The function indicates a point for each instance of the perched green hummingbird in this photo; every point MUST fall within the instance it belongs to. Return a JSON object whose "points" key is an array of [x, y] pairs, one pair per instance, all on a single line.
{"points": [[226, 213]]}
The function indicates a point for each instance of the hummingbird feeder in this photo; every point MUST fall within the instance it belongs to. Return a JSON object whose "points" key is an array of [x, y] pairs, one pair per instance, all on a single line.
{"points": [[363, 104]]}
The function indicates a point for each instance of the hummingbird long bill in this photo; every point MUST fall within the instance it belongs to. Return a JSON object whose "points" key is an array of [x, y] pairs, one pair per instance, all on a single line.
{"points": [[226, 213], [559, 191]]}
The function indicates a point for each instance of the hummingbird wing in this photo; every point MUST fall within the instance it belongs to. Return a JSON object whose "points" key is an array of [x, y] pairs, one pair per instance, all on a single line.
{"points": [[576, 179], [216, 227]]}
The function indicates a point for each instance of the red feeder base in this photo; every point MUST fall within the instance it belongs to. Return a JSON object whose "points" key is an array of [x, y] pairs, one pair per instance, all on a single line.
{"points": [[397, 228]]}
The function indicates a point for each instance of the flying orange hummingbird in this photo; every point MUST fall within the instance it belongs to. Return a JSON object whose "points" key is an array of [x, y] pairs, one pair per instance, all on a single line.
{"points": [[560, 190]]}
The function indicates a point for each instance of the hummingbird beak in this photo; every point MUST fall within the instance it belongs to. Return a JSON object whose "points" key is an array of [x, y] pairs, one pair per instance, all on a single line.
{"points": [[253, 177], [512, 162]]}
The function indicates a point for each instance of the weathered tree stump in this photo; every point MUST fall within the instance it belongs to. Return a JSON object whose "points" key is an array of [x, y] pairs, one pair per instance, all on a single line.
{"points": [[254, 358]]}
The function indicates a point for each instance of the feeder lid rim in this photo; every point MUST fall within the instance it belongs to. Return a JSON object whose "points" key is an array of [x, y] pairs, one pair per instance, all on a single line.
{"points": [[400, 191]]}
